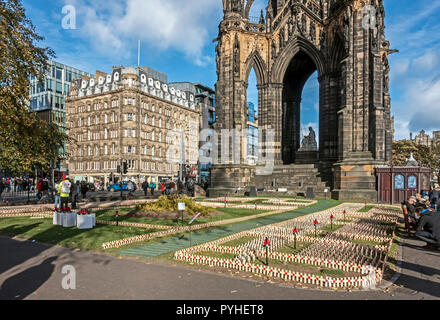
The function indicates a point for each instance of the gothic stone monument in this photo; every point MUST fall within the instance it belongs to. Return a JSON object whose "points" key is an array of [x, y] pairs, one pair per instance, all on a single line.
{"points": [[344, 41]]}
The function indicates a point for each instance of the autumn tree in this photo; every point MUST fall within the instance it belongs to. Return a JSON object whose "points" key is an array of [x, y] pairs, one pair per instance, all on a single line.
{"points": [[26, 142], [427, 156]]}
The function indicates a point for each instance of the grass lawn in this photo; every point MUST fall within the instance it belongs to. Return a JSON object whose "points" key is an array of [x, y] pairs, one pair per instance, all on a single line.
{"points": [[221, 214], [42, 230], [328, 227], [299, 267], [290, 248], [221, 255], [366, 208], [237, 242], [370, 243]]}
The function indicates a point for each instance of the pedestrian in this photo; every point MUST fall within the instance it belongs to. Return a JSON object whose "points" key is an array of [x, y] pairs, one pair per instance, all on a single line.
{"points": [[57, 203], [152, 186], [76, 191], [162, 188], [83, 189], [39, 189], [145, 187], [130, 188], [180, 187], [64, 190], [434, 197], [46, 188]]}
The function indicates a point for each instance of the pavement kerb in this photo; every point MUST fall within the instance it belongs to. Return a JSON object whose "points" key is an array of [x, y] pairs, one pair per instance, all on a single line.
{"points": [[387, 284]]}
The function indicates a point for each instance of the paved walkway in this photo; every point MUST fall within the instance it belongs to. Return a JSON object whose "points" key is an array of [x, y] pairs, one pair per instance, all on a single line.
{"points": [[201, 236], [34, 271]]}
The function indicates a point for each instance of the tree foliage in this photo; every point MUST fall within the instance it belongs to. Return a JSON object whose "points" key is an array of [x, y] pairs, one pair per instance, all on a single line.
{"points": [[26, 142], [429, 157]]}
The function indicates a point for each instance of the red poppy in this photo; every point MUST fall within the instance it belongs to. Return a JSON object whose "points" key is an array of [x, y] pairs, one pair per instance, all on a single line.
{"points": [[295, 230], [315, 222]]}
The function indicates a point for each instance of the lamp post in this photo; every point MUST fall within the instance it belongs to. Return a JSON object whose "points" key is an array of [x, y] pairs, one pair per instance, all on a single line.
{"points": [[267, 245], [182, 152], [295, 232]]}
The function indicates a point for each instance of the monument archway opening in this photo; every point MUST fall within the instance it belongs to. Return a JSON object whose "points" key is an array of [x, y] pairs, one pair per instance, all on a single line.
{"points": [[295, 148]]}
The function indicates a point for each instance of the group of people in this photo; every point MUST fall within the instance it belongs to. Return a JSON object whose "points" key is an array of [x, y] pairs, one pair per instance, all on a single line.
{"points": [[16, 185], [65, 190], [168, 187], [424, 217]]}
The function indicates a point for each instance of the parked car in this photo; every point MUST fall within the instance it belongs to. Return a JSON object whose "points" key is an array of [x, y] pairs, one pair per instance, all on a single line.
{"points": [[117, 187]]}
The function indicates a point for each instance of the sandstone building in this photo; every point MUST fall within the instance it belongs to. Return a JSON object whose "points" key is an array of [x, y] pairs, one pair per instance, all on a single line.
{"points": [[131, 115]]}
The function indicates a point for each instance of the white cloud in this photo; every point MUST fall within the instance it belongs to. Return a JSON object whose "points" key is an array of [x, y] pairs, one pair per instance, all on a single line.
{"points": [[427, 62], [115, 26]]}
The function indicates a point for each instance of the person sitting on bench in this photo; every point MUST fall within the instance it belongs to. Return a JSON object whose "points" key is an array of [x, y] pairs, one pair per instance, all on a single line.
{"points": [[428, 229]]}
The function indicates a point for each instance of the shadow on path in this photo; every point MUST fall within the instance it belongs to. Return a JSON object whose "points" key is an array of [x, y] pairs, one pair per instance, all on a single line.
{"points": [[23, 284]]}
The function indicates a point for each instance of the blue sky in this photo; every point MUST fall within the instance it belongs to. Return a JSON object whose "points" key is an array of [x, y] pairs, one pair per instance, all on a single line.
{"points": [[177, 39]]}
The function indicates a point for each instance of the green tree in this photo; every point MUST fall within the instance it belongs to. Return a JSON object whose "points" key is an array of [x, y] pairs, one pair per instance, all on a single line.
{"points": [[426, 155], [26, 142]]}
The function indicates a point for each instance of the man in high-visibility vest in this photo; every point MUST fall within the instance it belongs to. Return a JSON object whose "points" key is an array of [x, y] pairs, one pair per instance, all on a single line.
{"points": [[64, 191]]}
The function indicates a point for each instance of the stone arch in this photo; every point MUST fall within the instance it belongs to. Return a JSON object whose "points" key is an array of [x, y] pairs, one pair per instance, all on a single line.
{"points": [[337, 53], [256, 61], [247, 8], [283, 60]]}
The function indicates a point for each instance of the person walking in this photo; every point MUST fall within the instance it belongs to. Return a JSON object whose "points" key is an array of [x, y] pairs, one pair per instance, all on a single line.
{"points": [[83, 190], [39, 189], [434, 197], [46, 188], [57, 203], [180, 187], [130, 189], [75, 194], [162, 188], [145, 187], [152, 187], [64, 189]]}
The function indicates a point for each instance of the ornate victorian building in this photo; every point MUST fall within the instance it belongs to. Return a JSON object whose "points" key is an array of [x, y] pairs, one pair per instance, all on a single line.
{"points": [[133, 116], [344, 41]]}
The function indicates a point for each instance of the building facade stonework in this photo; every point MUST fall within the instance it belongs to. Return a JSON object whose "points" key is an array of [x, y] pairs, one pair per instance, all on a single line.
{"points": [[129, 116], [344, 41]]}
